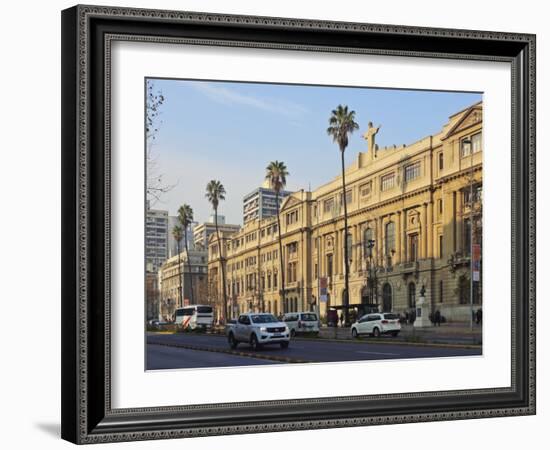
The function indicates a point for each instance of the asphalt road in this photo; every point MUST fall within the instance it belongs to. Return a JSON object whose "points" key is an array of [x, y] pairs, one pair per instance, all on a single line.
{"points": [[161, 353], [162, 357]]}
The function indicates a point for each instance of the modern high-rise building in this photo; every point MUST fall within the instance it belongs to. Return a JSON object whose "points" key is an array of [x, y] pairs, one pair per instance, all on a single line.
{"points": [[261, 203], [156, 239], [202, 232]]}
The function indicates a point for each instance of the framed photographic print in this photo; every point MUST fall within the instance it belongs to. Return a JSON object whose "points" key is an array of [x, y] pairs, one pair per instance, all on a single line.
{"points": [[281, 224]]}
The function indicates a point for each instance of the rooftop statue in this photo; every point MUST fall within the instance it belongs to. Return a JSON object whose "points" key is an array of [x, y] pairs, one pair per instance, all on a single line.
{"points": [[370, 136]]}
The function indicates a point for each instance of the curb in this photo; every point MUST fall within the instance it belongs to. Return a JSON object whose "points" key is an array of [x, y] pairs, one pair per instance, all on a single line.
{"points": [[363, 341], [231, 352], [386, 342]]}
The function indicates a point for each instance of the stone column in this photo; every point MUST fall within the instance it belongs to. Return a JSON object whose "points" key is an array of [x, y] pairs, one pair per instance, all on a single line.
{"points": [[337, 252], [356, 250], [453, 220], [430, 230], [424, 231], [379, 241], [458, 220], [397, 256], [403, 248]]}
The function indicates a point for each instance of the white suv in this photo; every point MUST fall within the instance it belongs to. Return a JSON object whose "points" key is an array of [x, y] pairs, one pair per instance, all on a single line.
{"points": [[257, 329], [302, 322], [376, 324]]}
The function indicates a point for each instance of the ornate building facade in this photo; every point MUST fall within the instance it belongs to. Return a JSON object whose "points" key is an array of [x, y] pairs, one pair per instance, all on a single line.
{"points": [[414, 220]]}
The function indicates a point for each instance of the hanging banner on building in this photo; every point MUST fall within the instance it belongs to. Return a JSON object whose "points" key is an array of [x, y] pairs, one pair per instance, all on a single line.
{"points": [[476, 261], [323, 289]]}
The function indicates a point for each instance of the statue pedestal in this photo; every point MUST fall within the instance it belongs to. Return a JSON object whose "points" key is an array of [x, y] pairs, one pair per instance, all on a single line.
{"points": [[422, 314]]}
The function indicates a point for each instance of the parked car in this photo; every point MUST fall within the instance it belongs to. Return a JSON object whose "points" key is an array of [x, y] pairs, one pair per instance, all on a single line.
{"points": [[376, 325], [257, 329], [301, 322]]}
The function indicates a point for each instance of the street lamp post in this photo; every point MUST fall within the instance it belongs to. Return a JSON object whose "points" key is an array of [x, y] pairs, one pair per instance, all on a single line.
{"points": [[471, 204]]}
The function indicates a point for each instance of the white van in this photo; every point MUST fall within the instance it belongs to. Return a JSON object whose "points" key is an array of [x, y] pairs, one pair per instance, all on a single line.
{"points": [[194, 316], [302, 322]]}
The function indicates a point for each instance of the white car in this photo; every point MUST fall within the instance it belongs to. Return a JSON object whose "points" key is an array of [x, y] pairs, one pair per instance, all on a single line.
{"points": [[258, 329], [376, 324], [302, 322]]}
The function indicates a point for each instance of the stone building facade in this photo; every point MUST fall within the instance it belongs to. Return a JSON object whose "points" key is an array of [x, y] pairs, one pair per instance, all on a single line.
{"points": [[414, 218], [176, 282]]}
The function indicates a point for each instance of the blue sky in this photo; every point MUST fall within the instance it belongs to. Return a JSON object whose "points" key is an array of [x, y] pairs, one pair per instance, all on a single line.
{"points": [[231, 131]]}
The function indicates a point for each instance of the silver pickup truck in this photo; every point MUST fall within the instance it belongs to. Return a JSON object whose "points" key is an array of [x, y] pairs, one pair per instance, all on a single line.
{"points": [[257, 329]]}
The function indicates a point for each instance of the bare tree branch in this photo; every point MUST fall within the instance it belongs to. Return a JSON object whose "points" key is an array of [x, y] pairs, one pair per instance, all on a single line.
{"points": [[156, 186]]}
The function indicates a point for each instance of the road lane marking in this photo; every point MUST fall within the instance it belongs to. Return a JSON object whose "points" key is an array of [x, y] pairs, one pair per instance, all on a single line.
{"points": [[378, 353]]}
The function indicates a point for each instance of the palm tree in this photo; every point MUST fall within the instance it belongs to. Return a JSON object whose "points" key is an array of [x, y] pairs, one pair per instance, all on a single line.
{"points": [[341, 125], [177, 233], [276, 173], [185, 218], [215, 192]]}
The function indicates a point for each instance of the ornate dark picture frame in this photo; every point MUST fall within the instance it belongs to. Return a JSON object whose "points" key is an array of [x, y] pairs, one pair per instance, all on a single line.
{"points": [[87, 33]]}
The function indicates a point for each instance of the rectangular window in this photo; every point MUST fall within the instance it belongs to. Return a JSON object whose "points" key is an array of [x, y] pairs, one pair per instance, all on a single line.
{"points": [[329, 265], [413, 247], [387, 182], [440, 291], [465, 146], [440, 206], [389, 239], [366, 189], [441, 246], [349, 197], [412, 171], [292, 248], [476, 143], [476, 191], [441, 161], [328, 205]]}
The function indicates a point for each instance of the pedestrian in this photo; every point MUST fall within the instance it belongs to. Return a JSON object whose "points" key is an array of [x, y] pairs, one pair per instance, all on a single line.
{"points": [[437, 318], [341, 319], [478, 316]]}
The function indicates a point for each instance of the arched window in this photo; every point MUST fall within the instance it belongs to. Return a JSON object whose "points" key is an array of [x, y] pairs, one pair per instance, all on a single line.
{"points": [[412, 295], [386, 298]]}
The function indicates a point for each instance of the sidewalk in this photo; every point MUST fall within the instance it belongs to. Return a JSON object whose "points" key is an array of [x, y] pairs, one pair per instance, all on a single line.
{"points": [[447, 333]]}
